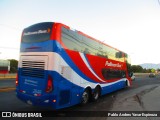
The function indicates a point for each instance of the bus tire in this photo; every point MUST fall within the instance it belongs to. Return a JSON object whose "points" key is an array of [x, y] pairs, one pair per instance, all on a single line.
{"points": [[127, 86], [96, 94], [85, 97]]}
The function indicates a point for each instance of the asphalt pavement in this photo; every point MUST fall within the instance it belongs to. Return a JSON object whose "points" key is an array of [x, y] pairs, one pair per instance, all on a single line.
{"points": [[143, 102], [143, 95], [6, 83]]}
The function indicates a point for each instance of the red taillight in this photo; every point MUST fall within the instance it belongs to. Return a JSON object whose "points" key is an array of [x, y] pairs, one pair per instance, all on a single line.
{"points": [[49, 87], [17, 79]]}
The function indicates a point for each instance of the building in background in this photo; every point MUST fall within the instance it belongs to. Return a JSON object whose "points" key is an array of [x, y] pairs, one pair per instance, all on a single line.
{"points": [[4, 66]]}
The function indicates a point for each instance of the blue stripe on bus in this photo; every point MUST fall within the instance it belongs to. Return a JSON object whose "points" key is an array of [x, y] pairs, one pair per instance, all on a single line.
{"points": [[76, 91], [61, 85]]}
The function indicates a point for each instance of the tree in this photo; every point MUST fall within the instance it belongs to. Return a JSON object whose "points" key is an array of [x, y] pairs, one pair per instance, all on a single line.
{"points": [[149, 70], [136, 68], [13, 65], [153, 70], [144, 70]]}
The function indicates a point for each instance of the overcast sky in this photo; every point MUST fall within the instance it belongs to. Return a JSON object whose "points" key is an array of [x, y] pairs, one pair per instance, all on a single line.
{"points": [[132, 26]]}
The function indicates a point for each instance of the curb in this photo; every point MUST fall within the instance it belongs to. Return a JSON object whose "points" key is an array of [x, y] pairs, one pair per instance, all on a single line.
{"points": [[6, 89], [7, 78]]}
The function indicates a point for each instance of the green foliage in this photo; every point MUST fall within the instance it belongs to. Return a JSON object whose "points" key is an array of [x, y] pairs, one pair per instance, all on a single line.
{"points": [[139, 69], [13, 65], [136, 68], [153, 70]]}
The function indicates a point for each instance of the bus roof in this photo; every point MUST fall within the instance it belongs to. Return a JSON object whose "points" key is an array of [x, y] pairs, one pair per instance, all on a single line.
{"points": [[61, 24]]}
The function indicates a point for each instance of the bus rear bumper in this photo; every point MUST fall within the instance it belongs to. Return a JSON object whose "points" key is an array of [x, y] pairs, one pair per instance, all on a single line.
{"points": [[45, 100]]}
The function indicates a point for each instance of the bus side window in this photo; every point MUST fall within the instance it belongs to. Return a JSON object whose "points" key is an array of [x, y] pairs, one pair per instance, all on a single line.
{"points": [[71, 39], [112, 73], [86, 51]]}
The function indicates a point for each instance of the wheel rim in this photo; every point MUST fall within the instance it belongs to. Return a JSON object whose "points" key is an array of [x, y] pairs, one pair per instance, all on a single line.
{"points": [[96, 95], [85, 97]]}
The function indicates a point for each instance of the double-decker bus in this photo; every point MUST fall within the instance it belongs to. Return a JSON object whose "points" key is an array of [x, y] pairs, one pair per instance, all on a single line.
{"points": [[61, 67]]}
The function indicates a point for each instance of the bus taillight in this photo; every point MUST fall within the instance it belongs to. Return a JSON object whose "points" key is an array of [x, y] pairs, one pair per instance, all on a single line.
{"points": [[17, 79], [49, 86]]}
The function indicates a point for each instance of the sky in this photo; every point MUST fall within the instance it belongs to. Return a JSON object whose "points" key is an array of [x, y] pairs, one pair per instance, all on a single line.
{"points": [[132, 26]]}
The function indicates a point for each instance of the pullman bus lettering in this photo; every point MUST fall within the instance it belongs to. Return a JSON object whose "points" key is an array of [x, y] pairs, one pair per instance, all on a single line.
{"points": [[37, 32], [112, 64]]}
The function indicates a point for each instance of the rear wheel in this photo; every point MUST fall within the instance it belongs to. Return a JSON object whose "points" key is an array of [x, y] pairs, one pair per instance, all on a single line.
{"points": [[85, 97], [96, 94]]}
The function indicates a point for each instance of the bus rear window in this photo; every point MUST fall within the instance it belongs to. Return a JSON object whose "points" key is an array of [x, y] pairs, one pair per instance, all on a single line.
{"points": [[37, 33]]}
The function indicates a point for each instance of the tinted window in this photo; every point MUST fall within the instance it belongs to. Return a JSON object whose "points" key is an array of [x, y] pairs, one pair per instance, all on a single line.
{"points": [[77, 42], [71, 39], [112, 73], [112, 53], [37, 33], [89, 46]]}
